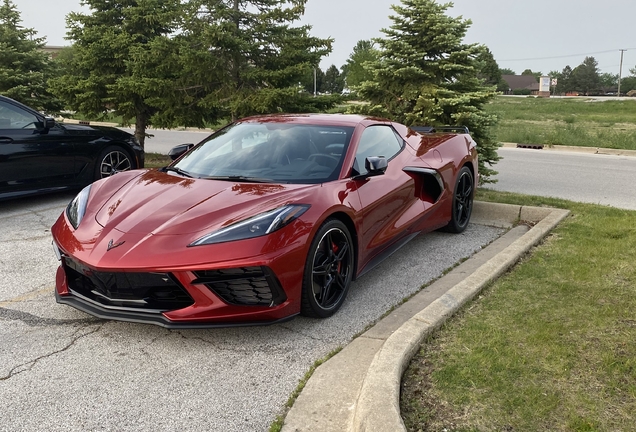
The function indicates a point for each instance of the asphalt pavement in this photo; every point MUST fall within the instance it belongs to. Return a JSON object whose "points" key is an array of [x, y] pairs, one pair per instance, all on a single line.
{"points": [[61, 369]]}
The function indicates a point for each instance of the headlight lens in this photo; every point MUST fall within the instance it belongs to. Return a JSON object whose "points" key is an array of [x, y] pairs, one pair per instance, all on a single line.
{"points": [[76, 208], [256, 226]]}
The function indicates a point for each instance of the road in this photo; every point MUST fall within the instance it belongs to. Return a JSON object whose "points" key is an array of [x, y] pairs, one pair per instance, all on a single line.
{"points": [[592, 178], [62, 370]]}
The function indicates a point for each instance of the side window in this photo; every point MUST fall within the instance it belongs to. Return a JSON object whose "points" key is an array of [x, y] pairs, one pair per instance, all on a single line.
{"points": [[12, 117], [376, 141]]}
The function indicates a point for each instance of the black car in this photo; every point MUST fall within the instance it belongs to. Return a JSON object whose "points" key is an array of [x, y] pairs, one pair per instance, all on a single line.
{"points": [[38, 155]]}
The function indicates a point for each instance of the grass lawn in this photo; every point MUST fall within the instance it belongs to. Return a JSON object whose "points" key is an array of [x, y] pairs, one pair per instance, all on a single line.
{"points": [[572, 122], [156, 160], [549, 346]]}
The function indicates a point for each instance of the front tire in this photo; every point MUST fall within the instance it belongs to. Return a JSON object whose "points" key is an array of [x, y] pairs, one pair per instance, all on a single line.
{"points": [[462, 206], [112, 160], [328, 270]]}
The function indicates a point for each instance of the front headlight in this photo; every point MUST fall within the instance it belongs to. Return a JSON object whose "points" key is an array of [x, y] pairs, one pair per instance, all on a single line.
{"points": [[76, 208], [256, 226]]}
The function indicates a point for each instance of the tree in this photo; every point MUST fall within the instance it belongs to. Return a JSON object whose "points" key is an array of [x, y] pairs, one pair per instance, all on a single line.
{"points": [[309, 81], [565, 81], [334, 81], [488, 68], [121, 59], [507, 71], [246, 57], [608, 82], [24, 67], [426, 74], [354, 70], [537, 75], [586, 76], [629, 82]]}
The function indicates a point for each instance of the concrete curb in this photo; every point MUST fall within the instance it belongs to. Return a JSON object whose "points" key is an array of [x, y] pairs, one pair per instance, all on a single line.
{"points": [[359, 388], [588, 150], [378, 406]]}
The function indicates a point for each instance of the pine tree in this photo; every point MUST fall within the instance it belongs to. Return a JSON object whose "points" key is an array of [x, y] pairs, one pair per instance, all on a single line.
{"points": [[334, 81], [355, 71], [427, 75], [24, 67], [122, 60], [251, 57]]}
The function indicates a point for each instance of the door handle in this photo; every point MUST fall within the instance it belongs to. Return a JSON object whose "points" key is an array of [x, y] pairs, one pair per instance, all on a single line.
{"points": [[6, 140]]}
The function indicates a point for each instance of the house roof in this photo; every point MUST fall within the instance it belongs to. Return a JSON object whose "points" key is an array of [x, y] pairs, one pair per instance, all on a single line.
{"points": [[521, 82]]}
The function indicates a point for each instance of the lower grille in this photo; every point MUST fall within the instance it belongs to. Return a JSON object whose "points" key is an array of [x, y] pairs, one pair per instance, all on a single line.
{"points": [[150, 291], [243, 286]]}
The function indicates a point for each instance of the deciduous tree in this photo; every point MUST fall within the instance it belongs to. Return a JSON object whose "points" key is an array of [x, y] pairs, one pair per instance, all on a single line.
{"points": [[427, 75]]}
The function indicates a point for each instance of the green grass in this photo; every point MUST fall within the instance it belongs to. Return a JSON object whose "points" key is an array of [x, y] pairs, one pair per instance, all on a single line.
{"points": [[549, 346], [156, 160], [572, 122]]}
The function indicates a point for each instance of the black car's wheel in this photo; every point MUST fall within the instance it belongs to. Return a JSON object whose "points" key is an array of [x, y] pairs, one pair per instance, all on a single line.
{"points": [[462, 201], [111, 161], [328, 270]]}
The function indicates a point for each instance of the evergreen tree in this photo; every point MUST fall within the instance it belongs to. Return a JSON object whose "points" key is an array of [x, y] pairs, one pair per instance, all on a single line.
{"points": [[355, 71], [122, 59], [248, 57], [586, 76], [24, 67], [334, 81], [426, 75]]}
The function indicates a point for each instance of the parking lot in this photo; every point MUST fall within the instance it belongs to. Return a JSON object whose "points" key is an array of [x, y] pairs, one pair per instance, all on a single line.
{"points": [[61, 369]]}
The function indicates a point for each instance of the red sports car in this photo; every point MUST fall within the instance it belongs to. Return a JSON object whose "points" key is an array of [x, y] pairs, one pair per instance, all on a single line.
{"points": [[268, 217]]}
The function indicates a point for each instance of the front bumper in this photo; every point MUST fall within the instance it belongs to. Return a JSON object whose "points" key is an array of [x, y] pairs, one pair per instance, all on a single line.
{"points": [[118, 314], [260, 291]]}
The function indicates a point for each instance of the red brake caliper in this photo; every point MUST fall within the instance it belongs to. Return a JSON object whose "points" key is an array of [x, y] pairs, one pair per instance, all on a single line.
{"points": [[334, 249]]}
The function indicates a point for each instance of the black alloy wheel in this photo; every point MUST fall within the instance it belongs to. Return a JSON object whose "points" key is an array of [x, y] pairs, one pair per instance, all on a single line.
{"points": [[111, 161], [328, 270], [462, 201]]}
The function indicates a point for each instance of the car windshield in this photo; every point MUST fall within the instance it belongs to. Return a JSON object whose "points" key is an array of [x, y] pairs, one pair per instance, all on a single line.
{"points": [[270, 152]]}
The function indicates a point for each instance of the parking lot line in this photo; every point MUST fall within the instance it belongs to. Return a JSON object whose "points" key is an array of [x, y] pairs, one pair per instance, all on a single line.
{"points": [[27, 296]]}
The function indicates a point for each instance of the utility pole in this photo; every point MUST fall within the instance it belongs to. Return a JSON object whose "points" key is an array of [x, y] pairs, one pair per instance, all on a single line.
{"points": [[315, 92], [620, 72]]}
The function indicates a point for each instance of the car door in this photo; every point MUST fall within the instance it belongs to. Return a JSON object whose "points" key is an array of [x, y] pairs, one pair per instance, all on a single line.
{"points": [[31, 157], [389, 205]]}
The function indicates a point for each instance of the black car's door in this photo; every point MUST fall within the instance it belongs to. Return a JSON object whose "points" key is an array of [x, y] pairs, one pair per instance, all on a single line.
{"points": [[31, 157]]}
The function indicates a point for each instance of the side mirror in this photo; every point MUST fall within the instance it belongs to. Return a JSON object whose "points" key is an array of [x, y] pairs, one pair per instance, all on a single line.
{"points": [[176, 152], [49, 122], [375, 165]]}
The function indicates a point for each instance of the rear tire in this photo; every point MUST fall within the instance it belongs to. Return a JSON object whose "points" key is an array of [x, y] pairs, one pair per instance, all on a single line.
{"points": [[462, 206], [328, 270], [111, 160]]}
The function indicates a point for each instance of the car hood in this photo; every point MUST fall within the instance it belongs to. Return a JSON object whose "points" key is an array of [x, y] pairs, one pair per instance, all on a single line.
{"points": [[161, 203]]}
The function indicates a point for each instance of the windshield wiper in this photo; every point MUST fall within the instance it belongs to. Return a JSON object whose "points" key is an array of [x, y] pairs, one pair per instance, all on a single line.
{"points": [[243, 179], [178, 171]]}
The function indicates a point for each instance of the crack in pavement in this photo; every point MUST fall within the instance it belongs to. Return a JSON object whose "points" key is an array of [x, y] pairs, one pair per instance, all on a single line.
{"points": [[37, 321], [302, 334], [25, 367]]}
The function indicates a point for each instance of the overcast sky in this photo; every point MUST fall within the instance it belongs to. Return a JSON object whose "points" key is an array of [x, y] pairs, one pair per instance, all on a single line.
{"points": [[542, 35]]}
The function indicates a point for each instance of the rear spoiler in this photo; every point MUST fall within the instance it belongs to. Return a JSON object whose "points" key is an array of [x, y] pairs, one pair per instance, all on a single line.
{"points": [[434, 129]]}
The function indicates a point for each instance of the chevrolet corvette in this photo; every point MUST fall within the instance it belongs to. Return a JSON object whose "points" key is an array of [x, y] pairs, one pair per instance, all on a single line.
{"points": [[267, 218]]}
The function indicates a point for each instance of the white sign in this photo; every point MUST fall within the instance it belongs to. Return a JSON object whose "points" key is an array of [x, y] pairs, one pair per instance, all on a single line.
{"points": [[554, 82]]}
